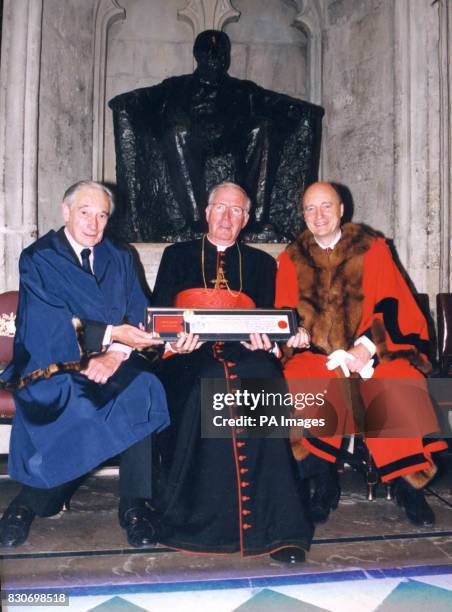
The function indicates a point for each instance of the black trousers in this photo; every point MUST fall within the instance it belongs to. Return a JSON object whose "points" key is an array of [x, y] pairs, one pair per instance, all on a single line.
{"points": [[135, 476]]}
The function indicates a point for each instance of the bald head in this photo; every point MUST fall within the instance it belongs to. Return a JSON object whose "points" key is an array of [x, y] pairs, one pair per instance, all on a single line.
{"points": [[322, 211], [323, 187]]}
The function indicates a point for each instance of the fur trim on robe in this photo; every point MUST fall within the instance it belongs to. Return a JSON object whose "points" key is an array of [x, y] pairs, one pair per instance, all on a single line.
{"points": [[330, 286], [331, 299]]}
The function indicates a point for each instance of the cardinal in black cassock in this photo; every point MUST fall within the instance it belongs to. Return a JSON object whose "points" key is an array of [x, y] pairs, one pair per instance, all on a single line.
{"points": [[240, 493]]}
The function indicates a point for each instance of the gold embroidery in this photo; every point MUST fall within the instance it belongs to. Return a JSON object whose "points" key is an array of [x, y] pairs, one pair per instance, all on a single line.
{"points": [[53, 368], [7, 325]]}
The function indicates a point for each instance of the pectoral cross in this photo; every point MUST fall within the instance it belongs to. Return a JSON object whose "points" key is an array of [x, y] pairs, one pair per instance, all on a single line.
{"points": [[220, 281]]}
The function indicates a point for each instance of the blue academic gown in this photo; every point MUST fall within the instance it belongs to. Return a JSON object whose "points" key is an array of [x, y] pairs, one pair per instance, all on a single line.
{"points": [[67, 425]]}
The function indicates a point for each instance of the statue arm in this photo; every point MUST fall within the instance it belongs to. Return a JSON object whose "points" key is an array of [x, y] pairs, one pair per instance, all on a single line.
{"points": [[126, 173], [132, 112], [279, 106]]}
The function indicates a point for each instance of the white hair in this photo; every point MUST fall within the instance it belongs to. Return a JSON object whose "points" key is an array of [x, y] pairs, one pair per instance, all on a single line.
{"points": [[69, 194], [214, 189]]}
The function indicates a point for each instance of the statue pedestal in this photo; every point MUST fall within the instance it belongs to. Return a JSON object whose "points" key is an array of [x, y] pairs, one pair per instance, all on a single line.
{"points": [[151, 253]]}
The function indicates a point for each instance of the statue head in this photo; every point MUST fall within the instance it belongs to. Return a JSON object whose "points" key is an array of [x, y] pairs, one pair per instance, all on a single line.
{"points": [[212, 51]]}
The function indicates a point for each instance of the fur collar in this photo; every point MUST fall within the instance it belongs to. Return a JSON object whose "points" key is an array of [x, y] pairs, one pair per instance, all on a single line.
{"points": [[330, 286]]}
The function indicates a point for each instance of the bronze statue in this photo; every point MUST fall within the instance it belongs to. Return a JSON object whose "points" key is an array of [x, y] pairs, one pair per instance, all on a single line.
{"points": [[177, 139]]}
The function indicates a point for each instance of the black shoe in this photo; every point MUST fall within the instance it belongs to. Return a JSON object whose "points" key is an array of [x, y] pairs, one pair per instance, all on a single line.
{"points": [[15, 525], [137, 521], [414, 503], [291, 554], [326, 496]]}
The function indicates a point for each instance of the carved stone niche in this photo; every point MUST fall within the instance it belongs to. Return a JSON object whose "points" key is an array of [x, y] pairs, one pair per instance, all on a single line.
{"points": [[310, 20], [107, 13], [112, 16], [208, 14]]}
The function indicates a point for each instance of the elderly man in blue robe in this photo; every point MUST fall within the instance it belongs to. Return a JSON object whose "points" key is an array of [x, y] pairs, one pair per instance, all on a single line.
{"points": [[70, 423]]}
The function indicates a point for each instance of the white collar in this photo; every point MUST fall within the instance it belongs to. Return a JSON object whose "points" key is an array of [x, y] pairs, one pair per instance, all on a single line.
{"points": [[78, 248], [220, 247], [332, 243]]}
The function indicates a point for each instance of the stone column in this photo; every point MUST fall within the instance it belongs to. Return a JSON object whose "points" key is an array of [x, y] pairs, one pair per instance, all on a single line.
{"points": [[445, 92], [417, 124], [310, 19], [107, 13], [19, 89]]}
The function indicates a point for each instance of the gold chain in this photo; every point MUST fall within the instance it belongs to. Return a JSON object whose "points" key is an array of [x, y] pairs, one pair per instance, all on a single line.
{"points": [[225, 279]]}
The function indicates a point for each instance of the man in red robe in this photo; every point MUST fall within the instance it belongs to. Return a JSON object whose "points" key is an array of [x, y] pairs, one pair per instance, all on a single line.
{"points": [[351, 297], [241, 493]]}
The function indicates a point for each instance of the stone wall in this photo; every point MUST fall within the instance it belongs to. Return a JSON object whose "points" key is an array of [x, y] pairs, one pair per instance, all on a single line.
{"points": [[149, 45], [65, 103], [268, 49], [385, 92], [358, 90]]}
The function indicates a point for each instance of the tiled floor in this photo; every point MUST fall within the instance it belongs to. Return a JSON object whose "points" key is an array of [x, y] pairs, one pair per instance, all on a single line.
{"points": [[367, 557]]}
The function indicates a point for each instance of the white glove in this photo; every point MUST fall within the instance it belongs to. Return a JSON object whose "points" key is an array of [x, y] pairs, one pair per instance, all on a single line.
{"points": [[368, 370], [340, 357]]}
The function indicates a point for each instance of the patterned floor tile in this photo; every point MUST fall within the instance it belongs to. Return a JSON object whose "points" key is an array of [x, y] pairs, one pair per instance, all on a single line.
{"points": [[364, 596], [444, 582], [414, 596], [271, 601], [423, 594], [117, 604]]}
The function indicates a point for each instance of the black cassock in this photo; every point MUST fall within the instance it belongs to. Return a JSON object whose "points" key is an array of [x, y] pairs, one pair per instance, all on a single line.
{"points": [[223, 495]]}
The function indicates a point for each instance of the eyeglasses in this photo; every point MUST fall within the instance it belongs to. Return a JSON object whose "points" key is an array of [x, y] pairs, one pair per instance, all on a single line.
{"points": [[236, 211]]}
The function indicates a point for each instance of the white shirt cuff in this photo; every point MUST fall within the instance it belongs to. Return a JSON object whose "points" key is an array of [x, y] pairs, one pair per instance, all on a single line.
{"points": [[169, 348], [370, 346], [123, 348], [107, 335], [275, 350]]}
